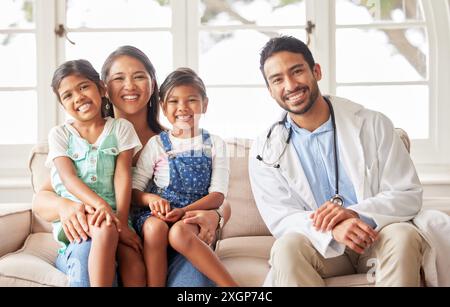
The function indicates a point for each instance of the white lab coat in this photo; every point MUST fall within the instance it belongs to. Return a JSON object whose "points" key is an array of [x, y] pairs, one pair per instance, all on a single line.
{"points": [[386, 184]]}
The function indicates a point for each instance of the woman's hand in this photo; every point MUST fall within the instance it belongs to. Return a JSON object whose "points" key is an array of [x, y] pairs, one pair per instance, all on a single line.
{"points": [[207, 220], [130, 238], [74, 220], [105, 212]]}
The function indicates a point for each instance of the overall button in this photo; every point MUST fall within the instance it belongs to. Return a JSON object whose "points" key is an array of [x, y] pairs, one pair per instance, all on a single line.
{"points": [[93, 178], [75, 156], [92, 160]]}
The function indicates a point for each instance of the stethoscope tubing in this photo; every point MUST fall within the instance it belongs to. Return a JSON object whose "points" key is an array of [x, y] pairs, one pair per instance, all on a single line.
{"points": [[276, 163]]}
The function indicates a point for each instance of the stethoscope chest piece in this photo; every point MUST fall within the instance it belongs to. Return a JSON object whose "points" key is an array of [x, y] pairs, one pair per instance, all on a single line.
{"points": [[337, 200]]}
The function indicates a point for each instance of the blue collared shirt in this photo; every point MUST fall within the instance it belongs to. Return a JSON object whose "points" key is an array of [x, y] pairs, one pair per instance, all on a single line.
{"points": [[315, 151]]}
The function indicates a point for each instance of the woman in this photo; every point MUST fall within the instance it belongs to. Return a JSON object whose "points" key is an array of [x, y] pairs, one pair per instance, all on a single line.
{"points": [[133, 90]]}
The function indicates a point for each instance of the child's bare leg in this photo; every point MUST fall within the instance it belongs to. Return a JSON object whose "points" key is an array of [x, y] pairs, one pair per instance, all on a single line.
{"points": [[183, 238], [131, 266], [155, 232], [102, 257]]}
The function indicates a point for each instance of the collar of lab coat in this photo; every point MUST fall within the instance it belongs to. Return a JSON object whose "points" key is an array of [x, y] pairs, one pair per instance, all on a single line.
{"points": [[350, 151]]}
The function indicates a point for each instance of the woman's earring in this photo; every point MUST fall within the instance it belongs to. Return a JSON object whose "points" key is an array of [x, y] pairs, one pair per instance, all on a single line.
{"points": [[107, 108]]}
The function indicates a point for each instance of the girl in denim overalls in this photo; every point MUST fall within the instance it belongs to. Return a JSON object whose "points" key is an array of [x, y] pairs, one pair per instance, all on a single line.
{"points": [[180, 170], [91, 159]]}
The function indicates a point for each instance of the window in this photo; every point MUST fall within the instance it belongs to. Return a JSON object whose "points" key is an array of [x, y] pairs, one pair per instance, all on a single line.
{"points": [[19, 86], [230, 36], [382, 57], [225, 30], [18, 96], [97, 31], [389, 55]]}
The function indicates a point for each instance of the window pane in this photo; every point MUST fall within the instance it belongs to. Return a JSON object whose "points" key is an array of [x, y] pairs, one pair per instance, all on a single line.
{"points": [[17, 14], [95, 47], [406, 106], [233, 57], [381, 55], [15, 72], [234, 112], [18, 125], [253, 12], [373, 11], [118, 13]]}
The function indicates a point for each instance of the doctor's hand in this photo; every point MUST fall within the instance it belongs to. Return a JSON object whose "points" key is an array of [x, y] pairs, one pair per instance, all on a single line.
{"points": [[329, 215], [355, 234]]}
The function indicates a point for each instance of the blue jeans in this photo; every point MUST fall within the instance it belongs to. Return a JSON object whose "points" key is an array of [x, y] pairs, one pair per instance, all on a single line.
{"points": [[181, 273], [74, 263]]}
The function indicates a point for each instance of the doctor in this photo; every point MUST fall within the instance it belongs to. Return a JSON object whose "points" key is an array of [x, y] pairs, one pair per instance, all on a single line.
{"points": [[332, 181]]}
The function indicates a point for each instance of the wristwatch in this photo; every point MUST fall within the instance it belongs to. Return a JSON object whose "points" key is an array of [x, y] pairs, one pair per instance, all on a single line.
{"points": [[221, 220]]}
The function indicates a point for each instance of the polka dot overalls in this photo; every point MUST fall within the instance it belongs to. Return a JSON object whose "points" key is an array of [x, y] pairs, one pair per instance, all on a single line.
{"points": [[190, 177]]}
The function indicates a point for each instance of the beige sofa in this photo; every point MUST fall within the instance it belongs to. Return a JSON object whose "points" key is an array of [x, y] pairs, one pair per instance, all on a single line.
{"points": [[28, 252]]}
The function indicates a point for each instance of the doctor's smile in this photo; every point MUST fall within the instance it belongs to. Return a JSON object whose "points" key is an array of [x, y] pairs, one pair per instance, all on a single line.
{"points": [[297, 96]]}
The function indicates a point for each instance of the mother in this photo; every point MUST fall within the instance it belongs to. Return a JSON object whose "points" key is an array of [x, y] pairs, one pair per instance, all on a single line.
{"points": [[132, 88]]}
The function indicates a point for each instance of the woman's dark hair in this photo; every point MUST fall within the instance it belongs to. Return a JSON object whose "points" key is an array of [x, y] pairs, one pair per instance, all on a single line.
{"points": [[181, 76], [285, 43], [152, 105], [75, 68]]}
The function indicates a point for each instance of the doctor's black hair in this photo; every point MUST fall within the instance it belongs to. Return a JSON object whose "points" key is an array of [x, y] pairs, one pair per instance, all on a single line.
{"points": [[284, 43]]}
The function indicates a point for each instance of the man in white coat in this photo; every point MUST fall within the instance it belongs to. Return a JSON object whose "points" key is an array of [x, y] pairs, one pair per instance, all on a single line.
{"points": [[332, 181]]}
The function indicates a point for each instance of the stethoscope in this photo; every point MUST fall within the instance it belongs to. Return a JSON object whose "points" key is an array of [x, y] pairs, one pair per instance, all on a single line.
{"points": [[337, 198]]}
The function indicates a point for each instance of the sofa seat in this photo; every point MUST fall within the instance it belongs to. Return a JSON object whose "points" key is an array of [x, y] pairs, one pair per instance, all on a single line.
{"points": [[247, 263], [28, 251], [33, 264]]}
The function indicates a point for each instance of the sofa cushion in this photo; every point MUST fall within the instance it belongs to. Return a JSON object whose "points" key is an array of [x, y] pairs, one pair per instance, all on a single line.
{"points": [[437, 203], [36, 164], [33, 264], [354, 280], [245, 218], [39, 175], [15, 226], [246, 258]]}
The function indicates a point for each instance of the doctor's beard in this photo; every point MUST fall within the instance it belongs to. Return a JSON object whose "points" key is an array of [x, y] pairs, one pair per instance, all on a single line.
{"points": [[314, 94]]}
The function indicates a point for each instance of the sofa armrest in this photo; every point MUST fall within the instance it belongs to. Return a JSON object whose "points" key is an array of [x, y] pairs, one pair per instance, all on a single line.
{"points": [[15, 226]]}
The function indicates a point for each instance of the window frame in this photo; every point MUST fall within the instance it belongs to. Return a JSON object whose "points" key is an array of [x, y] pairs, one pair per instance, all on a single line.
{"points": [[13, 158], [431, 157]]}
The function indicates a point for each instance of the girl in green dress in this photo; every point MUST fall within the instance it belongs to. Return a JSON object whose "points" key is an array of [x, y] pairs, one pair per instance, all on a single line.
{"points": [[91, 157]]}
